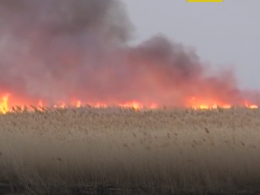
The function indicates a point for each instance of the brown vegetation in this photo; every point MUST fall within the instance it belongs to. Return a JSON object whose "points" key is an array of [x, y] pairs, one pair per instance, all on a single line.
{"points": [[178, 149]]}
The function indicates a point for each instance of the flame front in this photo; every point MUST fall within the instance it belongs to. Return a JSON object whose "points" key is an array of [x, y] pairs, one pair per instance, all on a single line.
{"points": [[88, 60], [8, 106]]}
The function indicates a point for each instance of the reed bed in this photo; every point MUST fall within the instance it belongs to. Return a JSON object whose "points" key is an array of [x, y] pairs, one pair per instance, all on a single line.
{"points": [[168, 149]]}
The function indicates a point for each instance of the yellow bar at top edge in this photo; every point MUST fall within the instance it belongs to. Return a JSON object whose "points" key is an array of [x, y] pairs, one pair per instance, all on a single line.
{"points": [[204, 1]]}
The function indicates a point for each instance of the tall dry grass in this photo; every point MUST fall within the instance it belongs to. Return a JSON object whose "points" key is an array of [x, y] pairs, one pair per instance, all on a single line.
{"points": [[211, 150]]}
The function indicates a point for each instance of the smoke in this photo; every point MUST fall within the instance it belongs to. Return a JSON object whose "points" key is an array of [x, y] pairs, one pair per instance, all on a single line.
{"points": [[59, 50]]}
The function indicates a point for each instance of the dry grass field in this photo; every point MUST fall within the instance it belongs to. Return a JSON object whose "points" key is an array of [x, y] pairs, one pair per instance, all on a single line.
{"points": [[170, 150]]}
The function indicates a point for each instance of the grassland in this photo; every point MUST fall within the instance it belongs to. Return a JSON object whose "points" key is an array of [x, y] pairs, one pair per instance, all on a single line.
{"points": [[161, 151]]}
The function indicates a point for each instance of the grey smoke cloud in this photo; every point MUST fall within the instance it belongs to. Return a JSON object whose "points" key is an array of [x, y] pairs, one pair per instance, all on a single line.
{"points": [[44, 44], [58, 50]]}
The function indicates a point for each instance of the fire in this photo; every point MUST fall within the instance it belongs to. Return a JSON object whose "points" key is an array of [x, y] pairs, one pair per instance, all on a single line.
{"points": [[90, 62], [6, 105], [250, 106], [78, 104], [134, 104], [40, 104], [203, 104]]}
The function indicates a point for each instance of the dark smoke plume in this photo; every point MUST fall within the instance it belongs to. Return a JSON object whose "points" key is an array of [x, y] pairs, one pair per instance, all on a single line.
{"points": [[65, 49]]}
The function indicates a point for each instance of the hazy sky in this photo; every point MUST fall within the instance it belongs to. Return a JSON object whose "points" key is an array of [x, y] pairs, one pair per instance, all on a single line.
{"points": [[223, 34]]}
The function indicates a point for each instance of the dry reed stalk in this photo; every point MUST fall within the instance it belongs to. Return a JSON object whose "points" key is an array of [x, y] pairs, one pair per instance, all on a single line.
{"points": [[181, 148]]}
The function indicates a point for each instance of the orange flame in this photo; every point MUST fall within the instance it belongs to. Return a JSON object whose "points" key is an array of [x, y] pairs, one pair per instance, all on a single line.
{"points": [[250, 106], [194, 103], [4, 104], [203, 104], [78, 105]]}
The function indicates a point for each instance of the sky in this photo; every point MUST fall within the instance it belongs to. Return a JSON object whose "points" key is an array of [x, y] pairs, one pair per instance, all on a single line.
{"points": [[223, 34]]}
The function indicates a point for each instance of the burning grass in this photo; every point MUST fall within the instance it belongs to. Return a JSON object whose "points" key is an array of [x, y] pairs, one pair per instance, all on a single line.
{"points": [[171, 149]]}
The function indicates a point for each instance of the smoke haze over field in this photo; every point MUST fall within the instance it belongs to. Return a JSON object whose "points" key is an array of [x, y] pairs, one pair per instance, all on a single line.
{"points": [[59, 50]]}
